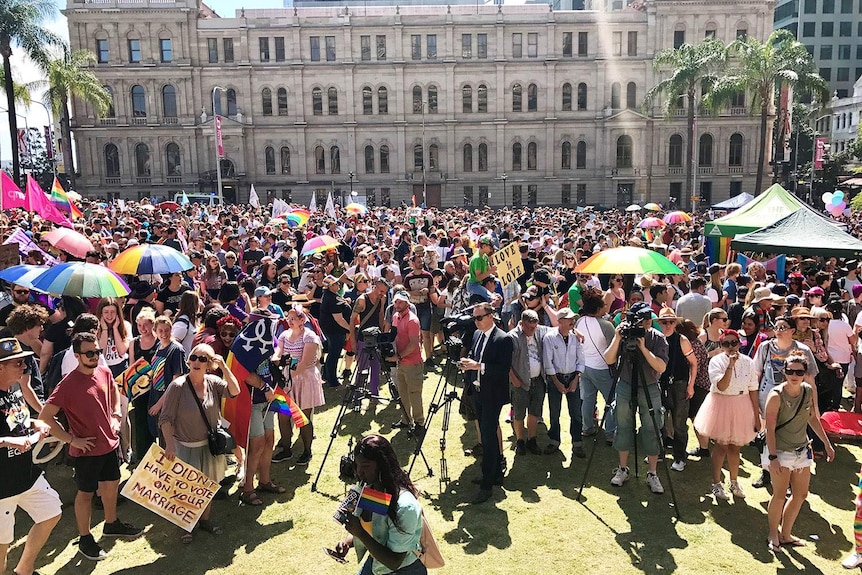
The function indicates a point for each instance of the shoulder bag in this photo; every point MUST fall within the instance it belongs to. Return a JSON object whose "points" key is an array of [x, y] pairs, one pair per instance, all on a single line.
{"points": [[219, 440], [429, 553], [760, 438]]}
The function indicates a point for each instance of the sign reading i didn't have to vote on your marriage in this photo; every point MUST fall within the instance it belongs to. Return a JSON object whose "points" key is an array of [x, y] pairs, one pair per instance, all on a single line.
{"points": [[173, 490]]}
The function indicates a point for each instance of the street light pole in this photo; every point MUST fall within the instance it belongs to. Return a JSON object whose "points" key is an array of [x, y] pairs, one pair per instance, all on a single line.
{"points": [[814, 155], [216, 134], [424, 152], [350, 176], [504, 177]]}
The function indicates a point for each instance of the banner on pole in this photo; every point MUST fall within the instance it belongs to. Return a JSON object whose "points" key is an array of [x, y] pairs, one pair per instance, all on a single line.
{"points": [[219, 142], [819, 152], [49, 143]]}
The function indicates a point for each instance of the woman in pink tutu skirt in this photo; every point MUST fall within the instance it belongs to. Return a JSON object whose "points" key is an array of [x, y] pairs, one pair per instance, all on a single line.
{"points": [[730, 415], [305, 384]]}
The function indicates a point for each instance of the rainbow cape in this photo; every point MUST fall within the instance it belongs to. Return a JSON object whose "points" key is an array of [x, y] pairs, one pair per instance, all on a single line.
{"points": [[374, 501], [284, 405], [60, 198]]}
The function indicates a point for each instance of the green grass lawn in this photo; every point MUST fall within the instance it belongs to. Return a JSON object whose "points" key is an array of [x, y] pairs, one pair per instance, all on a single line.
{"points": [[534, 525]]}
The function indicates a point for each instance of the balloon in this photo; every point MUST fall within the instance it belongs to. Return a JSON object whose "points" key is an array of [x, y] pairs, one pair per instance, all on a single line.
{"points": [[839, 195], [827, 198], [846, 212], [836, 200]]}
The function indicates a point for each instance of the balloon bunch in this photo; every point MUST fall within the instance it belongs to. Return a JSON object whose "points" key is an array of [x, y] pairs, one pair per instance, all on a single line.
{"points": [[835, 204]]}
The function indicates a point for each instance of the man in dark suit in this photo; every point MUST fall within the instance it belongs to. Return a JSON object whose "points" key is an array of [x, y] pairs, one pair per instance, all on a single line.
{"points": [[487, 376]]}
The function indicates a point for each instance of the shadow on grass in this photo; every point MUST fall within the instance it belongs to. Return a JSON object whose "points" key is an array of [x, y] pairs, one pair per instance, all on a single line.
{"points": [[649, 547]]}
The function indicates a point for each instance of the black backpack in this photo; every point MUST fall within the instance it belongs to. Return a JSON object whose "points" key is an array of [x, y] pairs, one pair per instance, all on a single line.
{"points": [[53, 374]]}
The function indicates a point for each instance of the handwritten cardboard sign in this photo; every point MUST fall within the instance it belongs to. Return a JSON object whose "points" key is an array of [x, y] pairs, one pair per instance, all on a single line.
{"points": [[173, 490], [508, 262]]}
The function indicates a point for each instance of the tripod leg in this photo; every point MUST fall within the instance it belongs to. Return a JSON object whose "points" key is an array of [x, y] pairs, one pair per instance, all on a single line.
{"points": [[657, 430], [436, 401], [607, 411], [348, 398]]}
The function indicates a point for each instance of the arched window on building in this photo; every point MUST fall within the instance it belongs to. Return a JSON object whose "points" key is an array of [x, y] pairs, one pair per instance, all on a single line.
{"points": [[631, 96], [173, 161], [734, 152], [432, 99], [482, 98], [282, 102], [467, 99], [516, 157], [231, 102], [624, 152], [566, 156], [483, 157], [567, 97], [112, 161], [139, 102], [266, 101], [367, 103], [468, 157], [532, 156], [582, 96], [674, 151], [433, 157], [332, 101], [517, 98], [581, 156], [334, 160], [269, 160], [369, 159], [417, 99], [704, 152], [169, 101], [532, 98], [615, 96], [319, 160], [285, 160], [382, 100], [317, 102], [418, 158], [384, 159], [142, 160], [111, 112]]}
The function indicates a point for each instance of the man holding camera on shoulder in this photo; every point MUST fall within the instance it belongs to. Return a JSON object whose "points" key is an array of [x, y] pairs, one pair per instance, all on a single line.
{"points": [[638, 341]]}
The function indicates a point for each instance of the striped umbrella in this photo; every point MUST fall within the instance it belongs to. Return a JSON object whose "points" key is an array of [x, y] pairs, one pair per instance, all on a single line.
{"points": [[628, 260], [652, 207], [651, 223], [356, 209], [319, 244], [82, 280], [22, 275], [677, 218], [301, 212], [150, 259]]}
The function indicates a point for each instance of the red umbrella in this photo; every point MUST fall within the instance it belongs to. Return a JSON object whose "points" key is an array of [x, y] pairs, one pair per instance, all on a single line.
{"points": [[70, 241], [168, 206]]}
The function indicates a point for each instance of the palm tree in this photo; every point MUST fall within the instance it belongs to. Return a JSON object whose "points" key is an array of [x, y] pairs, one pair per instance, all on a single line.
{"points": [[20, 25], [69, 77], [23, 92], [691, 67], [761, 66]]}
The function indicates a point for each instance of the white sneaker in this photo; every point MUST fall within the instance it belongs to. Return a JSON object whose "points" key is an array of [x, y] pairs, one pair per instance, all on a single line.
{"points": [[678, 465], [654, 483], [621, 475], [852, 561], [719, 492], [737, 491]]}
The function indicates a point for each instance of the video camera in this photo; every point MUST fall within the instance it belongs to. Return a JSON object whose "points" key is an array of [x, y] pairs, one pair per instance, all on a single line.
{"points": [[384, 342], [455, 329], [632, 326]]}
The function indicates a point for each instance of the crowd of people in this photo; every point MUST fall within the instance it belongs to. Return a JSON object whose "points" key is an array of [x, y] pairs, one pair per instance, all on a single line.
{"points": [[721, 350]]}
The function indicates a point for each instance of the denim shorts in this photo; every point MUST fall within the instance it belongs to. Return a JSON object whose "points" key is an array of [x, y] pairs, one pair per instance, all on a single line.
{"points": [[423, 312], [262, 420]]}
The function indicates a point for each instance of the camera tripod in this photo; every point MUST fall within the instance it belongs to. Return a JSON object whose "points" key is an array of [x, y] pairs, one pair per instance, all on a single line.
{"points": [[633, 358], [442, 399], [355, 393]]}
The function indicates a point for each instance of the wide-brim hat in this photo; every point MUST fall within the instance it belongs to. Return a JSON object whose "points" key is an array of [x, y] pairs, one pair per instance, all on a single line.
{"points": [[668, 313], [141, 289], [801, 313], [763, 293], [10, 348]]}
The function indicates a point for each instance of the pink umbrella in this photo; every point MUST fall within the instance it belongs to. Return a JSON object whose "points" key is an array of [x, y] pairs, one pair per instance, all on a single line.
{"points": [[70, 241], [651, 223], [677, 218]]}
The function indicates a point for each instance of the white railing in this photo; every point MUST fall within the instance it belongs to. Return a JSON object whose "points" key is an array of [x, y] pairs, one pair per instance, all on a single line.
{"points": [[738, 111], [143, 179], [107, 121], [113, 181], [674, 170], [139, 121], [704, 170], [174, 179], [170, 120], [734, 169]]}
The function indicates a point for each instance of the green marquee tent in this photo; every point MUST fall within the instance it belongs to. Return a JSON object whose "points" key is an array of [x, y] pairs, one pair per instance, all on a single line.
{"points": [[764, 210], [803, 233]]}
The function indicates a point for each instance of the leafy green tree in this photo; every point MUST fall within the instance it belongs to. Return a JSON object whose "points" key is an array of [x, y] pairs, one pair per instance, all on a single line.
{"points": [[691, 67], [21, 27], [69, 77], [759, 68]]}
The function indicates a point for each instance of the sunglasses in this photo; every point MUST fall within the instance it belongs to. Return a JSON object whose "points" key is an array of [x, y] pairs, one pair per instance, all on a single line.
{"points": [[21, 291], [799, 372], [618, 279], [723, 318], [782, 329], [228, 333], [285, 282], [478, 318], [200, 358], [667, 321], [91, 354], [729, 344], [823, 319]]}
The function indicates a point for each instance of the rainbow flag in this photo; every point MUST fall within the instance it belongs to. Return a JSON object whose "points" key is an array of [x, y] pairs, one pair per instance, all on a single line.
{"points": [[374, 501], [285, 405], [60, 198]]}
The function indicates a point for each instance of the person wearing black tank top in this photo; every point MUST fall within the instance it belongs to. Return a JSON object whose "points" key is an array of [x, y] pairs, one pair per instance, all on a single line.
{"points": [[143, 347]]}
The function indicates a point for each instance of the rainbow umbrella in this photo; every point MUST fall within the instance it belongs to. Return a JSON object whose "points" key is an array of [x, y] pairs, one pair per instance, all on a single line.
{"points": [[69, 241], [150, 259], [652, 207], [81, 280], [677, 218], [651, 223], [356, 209], [280, 221], [22, 275], [319, 244], [296, 219], [301, 212], [628, 260]]}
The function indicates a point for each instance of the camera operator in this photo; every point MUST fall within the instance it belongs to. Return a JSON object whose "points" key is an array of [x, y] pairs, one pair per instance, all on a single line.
{"points": [[367, 313], [533, 300], [488, 367], [636, 339], [408, 356]]}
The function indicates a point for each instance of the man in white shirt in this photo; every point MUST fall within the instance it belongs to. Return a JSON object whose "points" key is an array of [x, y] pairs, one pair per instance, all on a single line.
{"points": [[564, 364]]}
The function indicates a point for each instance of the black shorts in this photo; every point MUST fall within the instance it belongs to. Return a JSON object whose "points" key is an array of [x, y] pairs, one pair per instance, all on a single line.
{"points": [[90, 470], [696, 401]]}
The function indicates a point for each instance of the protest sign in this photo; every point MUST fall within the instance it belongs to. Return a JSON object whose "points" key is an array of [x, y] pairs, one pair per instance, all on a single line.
{"points": [[173, 490], [508, 262]]}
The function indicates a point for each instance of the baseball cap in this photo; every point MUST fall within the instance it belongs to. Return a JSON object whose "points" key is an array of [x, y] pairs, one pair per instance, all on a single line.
{"points": [[400, 296]]}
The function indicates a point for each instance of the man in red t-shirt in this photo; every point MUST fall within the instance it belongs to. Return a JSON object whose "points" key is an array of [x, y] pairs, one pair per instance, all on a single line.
{"points": [[410, 372], [91, 402]]}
